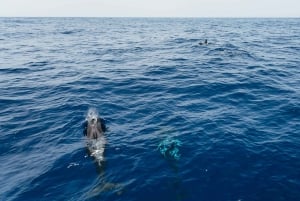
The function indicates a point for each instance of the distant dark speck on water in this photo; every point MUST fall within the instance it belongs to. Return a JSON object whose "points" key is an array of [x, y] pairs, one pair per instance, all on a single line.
{"points": [[203, 43]]}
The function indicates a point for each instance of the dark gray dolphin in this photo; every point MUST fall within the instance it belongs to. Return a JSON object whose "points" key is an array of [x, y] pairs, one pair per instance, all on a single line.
{"points": [[94, 128]]}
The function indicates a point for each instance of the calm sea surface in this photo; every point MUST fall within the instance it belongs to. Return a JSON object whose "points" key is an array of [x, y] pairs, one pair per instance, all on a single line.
{"points": [[229, 109]]}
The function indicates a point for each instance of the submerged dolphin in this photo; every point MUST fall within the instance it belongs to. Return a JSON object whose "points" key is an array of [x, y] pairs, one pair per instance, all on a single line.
{"points": [[94, 130]]}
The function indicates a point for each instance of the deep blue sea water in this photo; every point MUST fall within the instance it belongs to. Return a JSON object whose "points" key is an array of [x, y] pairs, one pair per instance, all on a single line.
{"points": [[234, 106]]}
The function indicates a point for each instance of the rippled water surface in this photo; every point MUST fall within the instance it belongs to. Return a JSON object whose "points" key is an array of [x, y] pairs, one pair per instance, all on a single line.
{"points": [[185, 121]]}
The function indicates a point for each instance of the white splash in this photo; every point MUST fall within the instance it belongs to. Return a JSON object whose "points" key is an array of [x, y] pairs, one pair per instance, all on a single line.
{"points": [[92, 114]]}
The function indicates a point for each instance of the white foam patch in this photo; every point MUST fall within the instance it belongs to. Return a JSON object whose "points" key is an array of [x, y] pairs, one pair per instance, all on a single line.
{"points": [[72, 164], [92, 114]]}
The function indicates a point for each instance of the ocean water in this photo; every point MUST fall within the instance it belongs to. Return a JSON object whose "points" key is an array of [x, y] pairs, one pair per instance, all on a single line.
{"points": [[185, 122]]}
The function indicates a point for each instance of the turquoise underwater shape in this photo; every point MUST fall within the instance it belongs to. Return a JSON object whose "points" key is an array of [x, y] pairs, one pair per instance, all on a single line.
{"points": [[169, 148]]}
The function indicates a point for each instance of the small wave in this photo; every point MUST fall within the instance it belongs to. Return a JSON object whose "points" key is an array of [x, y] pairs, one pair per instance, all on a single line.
{"points": [[37, 64], [14, 70], [92, 114], [21, 21], [230, 51], [68, 32], [178, 59], [185, 40], [294, 48]]}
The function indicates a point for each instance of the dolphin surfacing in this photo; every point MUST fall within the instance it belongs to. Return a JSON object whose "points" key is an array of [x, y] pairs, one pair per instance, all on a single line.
{"points": [[94, 130]]}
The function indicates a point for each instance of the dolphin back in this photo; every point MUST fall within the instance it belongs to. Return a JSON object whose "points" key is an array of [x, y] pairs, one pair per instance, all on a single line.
{"points": [[94, 130]]}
